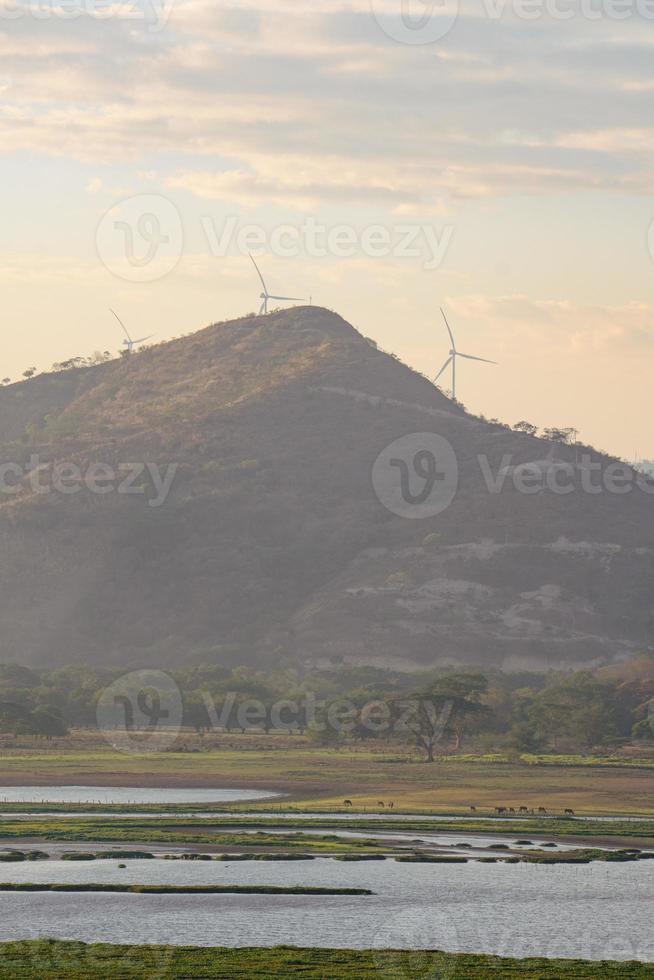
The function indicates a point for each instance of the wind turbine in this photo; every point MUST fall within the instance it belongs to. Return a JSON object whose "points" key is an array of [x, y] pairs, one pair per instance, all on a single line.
{"points": [[454, 353], [128, 342], [265, 295]]}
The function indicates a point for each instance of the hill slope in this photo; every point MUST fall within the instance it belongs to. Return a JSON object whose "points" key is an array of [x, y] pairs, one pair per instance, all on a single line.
{"points": [[272, 542]]}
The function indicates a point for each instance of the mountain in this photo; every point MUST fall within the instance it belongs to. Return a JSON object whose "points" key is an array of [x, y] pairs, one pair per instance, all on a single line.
{"points": [[272, 541]]}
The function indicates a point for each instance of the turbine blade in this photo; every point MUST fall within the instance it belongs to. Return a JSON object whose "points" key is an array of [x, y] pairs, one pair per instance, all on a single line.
{"points": [[122, 324], [443, 369], [265, 288], [448, 329], [469, 357], [298, 299], [142, 340]]}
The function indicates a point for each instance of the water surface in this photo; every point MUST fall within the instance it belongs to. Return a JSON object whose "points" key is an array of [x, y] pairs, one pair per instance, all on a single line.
{"points": [[595, 911]]}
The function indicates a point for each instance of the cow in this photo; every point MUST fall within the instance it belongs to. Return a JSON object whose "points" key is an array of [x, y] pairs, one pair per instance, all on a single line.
{"points": [[569, 813], [347, 802]]}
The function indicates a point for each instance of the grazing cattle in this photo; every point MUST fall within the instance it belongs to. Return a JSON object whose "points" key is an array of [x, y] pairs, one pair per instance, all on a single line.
{"points": [[391, 806], [541, 809], [569, 813], [473, 809], [511, 809], [347, 802], [381, 803], [500, 810], [524, 809]]}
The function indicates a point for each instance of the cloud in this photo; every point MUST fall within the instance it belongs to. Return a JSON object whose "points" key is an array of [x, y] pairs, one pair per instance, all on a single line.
{"points": [[31, 268], [302, 182], [267, 84], [561, 323]]}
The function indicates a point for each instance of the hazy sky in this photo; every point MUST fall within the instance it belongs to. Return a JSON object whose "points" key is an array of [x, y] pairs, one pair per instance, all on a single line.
{"points": [[389, 156]]}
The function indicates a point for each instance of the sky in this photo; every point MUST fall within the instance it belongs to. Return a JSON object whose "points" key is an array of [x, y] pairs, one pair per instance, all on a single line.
{"points": [[384, 158]]}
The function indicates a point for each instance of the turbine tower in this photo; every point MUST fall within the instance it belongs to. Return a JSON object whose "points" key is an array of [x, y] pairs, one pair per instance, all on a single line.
{"points": [[128, 342], [454, 353], [265, 295]]}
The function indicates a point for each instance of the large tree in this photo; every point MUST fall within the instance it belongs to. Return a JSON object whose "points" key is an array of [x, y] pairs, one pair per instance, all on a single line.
{"points": [[441, 711]]}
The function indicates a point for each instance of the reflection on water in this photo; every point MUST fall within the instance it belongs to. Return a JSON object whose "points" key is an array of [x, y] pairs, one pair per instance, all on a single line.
{"points": [[126, 795], [593, 911]]}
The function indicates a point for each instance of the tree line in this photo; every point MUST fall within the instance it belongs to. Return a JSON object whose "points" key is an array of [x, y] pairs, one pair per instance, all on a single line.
{"points": [[438, 710]]}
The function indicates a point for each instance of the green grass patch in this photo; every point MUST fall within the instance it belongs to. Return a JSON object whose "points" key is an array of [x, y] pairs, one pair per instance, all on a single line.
{"points": [[51, 960], [264, 857], [430, 859], [360, 857], [15, 856], [26, 886], [324, 777], [167, 831], [122, 855]]}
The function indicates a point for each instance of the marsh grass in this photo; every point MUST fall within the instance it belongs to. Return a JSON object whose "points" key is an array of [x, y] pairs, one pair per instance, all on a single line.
{"points": [[430, 859], [166, 831], [26, 886], [51, 960]]}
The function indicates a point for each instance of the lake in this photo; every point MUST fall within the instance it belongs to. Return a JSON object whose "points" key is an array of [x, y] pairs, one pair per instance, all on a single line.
{"points": [[595, 911], [128, 794]]}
